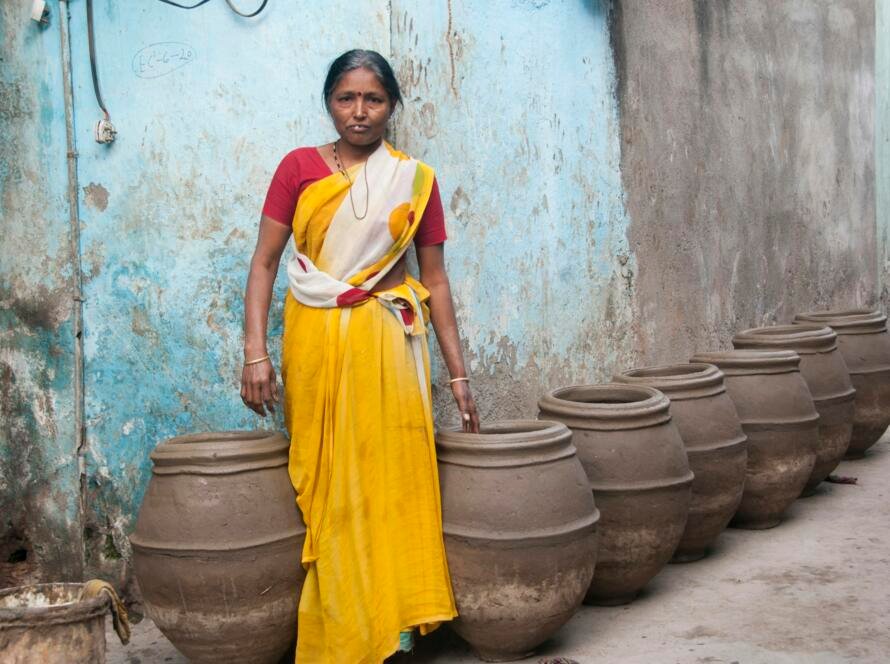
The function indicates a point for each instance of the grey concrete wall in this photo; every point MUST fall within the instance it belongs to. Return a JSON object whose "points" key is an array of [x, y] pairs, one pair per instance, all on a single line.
{"points": [[882, 142], [748, 163]]}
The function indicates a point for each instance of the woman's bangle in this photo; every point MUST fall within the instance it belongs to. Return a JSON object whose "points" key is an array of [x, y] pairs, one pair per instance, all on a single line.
{"points": [[256, 361], [457, 380]]}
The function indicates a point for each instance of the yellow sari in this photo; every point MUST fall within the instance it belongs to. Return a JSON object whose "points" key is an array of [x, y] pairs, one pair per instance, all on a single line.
{"points": [[357, 406]]}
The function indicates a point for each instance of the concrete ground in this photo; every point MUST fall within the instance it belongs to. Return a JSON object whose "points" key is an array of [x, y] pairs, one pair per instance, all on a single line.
{"points": [[816, 589]]}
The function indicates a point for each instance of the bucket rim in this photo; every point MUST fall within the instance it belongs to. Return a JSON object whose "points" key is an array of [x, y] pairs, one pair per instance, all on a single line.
{"points": [[66, 612]]}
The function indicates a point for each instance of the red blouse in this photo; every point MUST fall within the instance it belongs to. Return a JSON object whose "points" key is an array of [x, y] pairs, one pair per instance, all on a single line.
{"points": [[303, 166]]}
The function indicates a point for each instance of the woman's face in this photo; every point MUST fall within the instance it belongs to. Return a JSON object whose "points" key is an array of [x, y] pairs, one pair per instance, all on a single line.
{"points": [[360, 107]]}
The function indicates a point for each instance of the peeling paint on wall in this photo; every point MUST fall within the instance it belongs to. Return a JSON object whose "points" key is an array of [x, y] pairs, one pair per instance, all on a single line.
{"points": [[624, 182], [205, 104], [513, 104], [40, 535]]}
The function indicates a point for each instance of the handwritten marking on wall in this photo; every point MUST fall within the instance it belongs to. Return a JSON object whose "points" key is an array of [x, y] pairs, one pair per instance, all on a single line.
{"points": [[162, 58]]}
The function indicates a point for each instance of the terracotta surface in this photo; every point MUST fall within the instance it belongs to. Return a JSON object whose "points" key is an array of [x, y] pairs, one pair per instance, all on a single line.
{"points": [[520, 533], [47, 623], [217, 546], [638, 470], [810, 592], [863, 341], [715, 444], [823, 368], [778, 416]]}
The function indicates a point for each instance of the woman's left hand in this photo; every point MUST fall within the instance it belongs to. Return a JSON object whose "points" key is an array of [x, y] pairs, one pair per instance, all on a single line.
{"points": [[469, 418]]}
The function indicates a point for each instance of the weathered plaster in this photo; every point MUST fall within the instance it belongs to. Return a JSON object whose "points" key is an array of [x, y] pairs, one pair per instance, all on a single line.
{"points": [[40, 534], [748, 162], [624, 182], [882, 142], [205, 103], [512, 103]]}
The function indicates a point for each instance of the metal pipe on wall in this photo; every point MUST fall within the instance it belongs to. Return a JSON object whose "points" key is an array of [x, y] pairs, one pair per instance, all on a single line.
{"points": [[74, 243]]}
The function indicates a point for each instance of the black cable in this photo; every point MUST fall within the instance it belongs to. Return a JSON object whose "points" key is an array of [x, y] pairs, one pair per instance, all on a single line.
{"points": [[176, 4], [92, 43], [235, 9], [228, 2]]}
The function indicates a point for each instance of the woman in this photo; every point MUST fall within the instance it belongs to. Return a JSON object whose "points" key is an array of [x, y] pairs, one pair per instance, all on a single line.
{"points": [[355, 367]]}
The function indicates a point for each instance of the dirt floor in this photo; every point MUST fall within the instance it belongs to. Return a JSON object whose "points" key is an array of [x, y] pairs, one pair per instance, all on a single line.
{"points": [[816, 589]]}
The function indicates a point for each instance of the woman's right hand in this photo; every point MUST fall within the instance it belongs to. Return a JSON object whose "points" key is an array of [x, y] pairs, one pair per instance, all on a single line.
{"points": [[259, 387]]}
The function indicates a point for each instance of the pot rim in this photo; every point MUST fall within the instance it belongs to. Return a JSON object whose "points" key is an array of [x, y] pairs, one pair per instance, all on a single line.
{"points": [[841, 313], [678, 380], [506, 443], [505, 435], [847, 321], [803, 338], [742, 361], [608, 406], [212, 452]]}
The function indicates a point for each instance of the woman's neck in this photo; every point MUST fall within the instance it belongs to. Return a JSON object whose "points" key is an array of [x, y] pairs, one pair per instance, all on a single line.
{"points": [[353, 154]]}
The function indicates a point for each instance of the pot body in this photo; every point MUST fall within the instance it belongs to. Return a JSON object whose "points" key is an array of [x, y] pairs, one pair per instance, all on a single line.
{"points": [[716, 446], [778, 416], [50, 624], [864, 343], [639, 473], [520, 533], [217, 546], [825, 372]]}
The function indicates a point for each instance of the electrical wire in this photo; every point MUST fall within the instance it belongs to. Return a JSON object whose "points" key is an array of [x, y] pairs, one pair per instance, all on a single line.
{"points": [[92, 44], [240, 13], [230, 3], [194, 6]]}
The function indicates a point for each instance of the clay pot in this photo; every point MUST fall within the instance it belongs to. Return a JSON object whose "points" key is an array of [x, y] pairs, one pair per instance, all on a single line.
{"points": [[715, 444], [217, 546], [520, 533], [823, 368], [780, 420], [638, 470], [865, 345]]}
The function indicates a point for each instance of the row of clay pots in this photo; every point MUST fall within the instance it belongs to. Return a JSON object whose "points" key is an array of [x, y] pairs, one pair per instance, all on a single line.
{"points": [[673, 454], [218, 534]]}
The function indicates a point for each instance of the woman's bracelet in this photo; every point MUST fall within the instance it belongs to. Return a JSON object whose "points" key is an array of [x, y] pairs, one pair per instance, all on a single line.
{"points": [[256, 361], [458, 380]]}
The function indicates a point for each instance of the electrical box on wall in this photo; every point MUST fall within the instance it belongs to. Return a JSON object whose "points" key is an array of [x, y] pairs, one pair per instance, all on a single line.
{"points": [[40, 12], [105, 131]]}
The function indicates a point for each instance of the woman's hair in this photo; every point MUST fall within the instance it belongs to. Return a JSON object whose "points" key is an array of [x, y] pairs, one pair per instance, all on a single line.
{"points": [[359, 58]]}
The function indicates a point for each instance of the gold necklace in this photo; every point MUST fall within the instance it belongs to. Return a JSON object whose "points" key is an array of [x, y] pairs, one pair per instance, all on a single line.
{"points": [[348, 179]]}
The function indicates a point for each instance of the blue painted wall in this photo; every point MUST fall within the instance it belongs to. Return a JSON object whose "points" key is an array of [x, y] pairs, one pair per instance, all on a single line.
{"points": [[554, 134], [206, 104], [39, 478], [514, 104], [169, 211]]}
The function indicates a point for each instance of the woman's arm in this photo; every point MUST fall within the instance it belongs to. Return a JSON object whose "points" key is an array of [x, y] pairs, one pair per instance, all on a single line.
{"points": [[433, 276], [259, 386]]}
